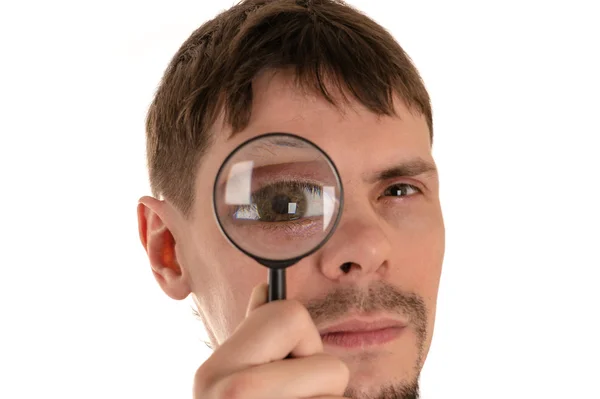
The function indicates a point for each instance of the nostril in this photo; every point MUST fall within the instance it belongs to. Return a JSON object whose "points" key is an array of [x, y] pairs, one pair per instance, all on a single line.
{"points": [[346, 267]]}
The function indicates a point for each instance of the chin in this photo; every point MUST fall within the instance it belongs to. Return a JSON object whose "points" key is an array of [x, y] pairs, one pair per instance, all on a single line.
{"points": [[379, 386], [368, 372]]}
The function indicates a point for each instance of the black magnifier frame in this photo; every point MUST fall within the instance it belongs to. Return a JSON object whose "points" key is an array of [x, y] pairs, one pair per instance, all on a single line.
{"points": [[277, 280]]}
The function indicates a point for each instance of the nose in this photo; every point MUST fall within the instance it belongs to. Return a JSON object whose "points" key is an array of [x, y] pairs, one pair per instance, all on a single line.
{"points": [[358, 249]]}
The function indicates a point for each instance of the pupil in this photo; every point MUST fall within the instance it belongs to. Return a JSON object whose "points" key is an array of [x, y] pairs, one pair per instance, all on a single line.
{"points": [[279, 204], [400, 190]]}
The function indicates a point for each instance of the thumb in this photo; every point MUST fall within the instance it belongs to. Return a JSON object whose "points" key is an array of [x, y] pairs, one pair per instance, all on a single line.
{"points": [[258, 297]]}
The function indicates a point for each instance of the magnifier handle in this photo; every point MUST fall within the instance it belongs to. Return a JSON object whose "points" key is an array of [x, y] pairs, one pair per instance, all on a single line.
{"points": [[277, 288], [276, 285]]}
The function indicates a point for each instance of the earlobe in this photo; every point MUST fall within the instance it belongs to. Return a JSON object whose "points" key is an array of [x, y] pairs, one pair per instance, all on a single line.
{"points": [[159, 243]]}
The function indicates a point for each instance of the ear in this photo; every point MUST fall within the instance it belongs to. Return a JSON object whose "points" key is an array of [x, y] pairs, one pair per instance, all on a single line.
{"points": [[159, 243]]}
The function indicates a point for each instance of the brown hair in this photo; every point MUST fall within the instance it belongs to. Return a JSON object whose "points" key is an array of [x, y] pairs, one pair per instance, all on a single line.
{"points": [[329, 44]]}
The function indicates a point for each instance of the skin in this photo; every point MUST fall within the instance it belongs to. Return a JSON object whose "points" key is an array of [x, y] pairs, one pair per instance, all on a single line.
{"points": [[395, 244]]}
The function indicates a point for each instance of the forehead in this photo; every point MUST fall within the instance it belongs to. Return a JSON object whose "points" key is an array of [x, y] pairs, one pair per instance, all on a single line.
{"points": [[352, 136]]}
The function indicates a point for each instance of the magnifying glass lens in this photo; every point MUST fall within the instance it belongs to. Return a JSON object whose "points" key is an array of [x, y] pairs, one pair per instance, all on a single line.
{"points": [[277, 197]]}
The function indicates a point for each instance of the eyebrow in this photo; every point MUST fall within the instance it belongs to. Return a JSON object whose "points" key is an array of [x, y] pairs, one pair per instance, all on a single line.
{"points": [[411, 168], [270, 144], [288, 142]]}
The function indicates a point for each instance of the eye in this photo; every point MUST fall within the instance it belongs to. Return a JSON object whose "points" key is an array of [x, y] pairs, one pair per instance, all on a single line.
{"points": [[401, 190], [283, 202]]}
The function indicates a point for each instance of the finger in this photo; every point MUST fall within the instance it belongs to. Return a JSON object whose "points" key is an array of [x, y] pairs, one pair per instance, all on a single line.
{"points": [[318, 375], [257, 297], [269, 333], [276, 329]]}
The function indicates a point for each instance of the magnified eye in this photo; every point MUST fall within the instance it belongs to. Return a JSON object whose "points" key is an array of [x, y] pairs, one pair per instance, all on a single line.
{"points": [[401, 190], [282, 202]]}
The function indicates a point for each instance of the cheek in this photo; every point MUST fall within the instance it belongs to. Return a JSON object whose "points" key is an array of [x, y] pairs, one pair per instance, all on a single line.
{"points": [[420, 264], [420, 256], [222, 280], [239, 276]]}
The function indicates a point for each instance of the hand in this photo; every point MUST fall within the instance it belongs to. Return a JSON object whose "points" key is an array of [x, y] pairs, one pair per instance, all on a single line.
{"points": [[252, 363]]}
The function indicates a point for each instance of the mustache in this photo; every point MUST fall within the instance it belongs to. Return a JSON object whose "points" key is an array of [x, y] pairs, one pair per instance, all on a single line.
{"points": [[379, 297]]}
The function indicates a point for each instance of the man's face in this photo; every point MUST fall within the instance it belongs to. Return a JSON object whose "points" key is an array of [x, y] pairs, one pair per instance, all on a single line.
{"points": [[391, 234]]}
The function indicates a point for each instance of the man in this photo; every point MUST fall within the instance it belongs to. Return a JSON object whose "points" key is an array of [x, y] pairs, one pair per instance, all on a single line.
{"points": [[360, 311]]}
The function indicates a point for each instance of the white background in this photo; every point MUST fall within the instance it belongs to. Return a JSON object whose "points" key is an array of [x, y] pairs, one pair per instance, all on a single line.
{"points": [[515, 91]]}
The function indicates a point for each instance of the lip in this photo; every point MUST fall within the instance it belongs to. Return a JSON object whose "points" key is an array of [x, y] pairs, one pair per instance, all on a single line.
{"points": [[362, 331], [363, 324]]}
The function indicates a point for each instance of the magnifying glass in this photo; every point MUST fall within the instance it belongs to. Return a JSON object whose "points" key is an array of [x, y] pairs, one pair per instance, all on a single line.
{"points": [[277, 198]]}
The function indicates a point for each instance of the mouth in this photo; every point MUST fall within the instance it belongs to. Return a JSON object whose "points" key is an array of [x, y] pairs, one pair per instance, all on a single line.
{"points": [[362, 332]]}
